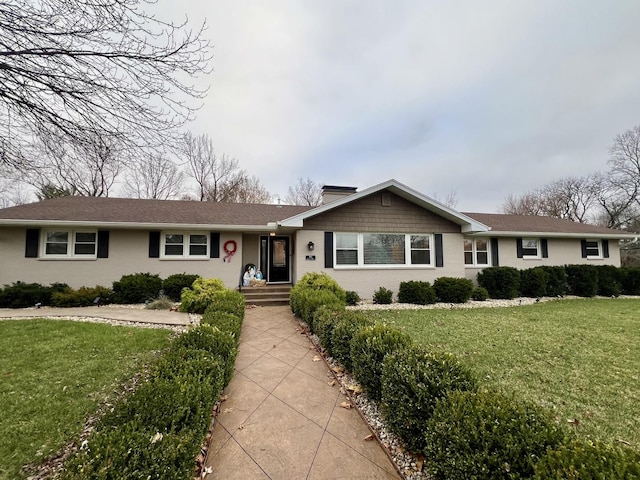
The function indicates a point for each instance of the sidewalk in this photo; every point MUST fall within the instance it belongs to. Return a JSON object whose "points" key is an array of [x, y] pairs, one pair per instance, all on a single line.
{"points": [[282, 419]]}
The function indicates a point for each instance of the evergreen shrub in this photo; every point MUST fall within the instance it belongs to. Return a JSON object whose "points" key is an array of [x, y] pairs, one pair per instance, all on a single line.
{"points": [[174, 284], [557, 283], [630, 280], [368, 349], [533, 282], [383, 296], [347, 324], [136, 288], [202, 292], [453, 290], [500, 282], [416, 292], [479, 294], [609, 281], [582, 280]]}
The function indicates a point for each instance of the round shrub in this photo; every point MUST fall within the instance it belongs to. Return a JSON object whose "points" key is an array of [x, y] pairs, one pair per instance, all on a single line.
{"points": [[229, 301], [533, 282], [500, 282], [582, 280], [202, 292], [347, 325], [383, 296], [582, 460], [479, 294], [609, 284], [413, 380], [311, 300], [174, 284], [227, 322], [487, 435], [418, 293], [136, 288], [212, 340], [368, 349], [453, 290], [352, 298], [324, 320], [557, 282], [314, 281]]}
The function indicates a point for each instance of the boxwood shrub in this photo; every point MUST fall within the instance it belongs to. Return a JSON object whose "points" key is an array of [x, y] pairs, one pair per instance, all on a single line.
{"points": [[347, 324], [174, 284], [557, 282], [314, 281], [533, 282], [487, 435], [136, 288], [582, 280], [416, 292], [368, 349], [453, 290], [202, 292], [324, 322], [413, 380], [479, 294], [311, 300], [500, 282], [227, 322], [383, 296], [229, 301], [587, 460]]}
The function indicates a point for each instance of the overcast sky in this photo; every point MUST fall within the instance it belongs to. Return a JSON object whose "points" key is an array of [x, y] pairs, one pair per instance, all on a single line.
{"points": [[484, 99]]}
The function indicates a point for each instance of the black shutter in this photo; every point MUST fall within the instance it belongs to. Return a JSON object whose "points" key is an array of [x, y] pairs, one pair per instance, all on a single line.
{"points": [[545, 248], [154, 244], [439, 253], [214, 251], [494, 253], [605, 248], [328, 249], [519, 247], [31, 243], [583, 246], [103, 243]]}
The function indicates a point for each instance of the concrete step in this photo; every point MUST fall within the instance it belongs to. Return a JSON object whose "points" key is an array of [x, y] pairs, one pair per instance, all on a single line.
{"points": [[267, 295]]}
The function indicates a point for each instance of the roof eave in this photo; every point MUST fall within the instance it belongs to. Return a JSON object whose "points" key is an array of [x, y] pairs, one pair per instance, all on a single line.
{"points": [[271, 226], [609, 236]]}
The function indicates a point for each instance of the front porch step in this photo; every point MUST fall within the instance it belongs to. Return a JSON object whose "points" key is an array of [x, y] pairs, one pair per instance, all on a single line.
{"points": [[269, 295]]}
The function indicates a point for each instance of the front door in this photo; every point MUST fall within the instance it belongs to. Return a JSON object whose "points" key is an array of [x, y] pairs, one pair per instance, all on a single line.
{"points": [[278, 267]]}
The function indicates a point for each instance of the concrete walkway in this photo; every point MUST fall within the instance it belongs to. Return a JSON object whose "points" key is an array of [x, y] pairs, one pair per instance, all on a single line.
{"points": [[139, 315], [282, 419]]}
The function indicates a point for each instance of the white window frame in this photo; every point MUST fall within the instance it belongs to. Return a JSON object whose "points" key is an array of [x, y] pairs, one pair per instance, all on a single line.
{"points": [[407, 252], [71, 244], [538, 247], [474, 253], [186, 244], [599, 245]]}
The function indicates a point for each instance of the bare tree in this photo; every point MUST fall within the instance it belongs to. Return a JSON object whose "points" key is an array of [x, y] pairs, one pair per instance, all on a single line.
{"points": [[624, 161], [450, 199], [244, 189], [153, 176], [75, 70], [89, 168], [304, 192]]}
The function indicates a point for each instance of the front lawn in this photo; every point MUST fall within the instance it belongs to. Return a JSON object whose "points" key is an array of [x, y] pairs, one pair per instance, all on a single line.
{"points": [[580, 358], [54, 374]]}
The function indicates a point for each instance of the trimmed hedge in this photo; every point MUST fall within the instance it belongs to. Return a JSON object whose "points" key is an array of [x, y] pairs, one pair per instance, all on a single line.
{"points": [[582, 280], [311, 300], [346, 326], [324, 322], [82, 297], [229, 301], [533, 282], [453, 290], [202, 292], [312, 291], [416, 292], [174, 284], [630, 280], [413, 380], [500, 282], [557, 283], [136, 288], [23, 295], [609, 284], [227, 322], [368, 349], [587, 460], [487, 435]]}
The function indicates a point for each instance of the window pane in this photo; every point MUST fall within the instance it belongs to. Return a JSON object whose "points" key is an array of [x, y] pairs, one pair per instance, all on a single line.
{"points": [[58, 237], [56, 249], [85, 237], [420, 257], [468, 246], [533, 252], [84, 249], [530, 243], [593, 248], [173, 238], [346, 240], [346, 257], [483, 258], [172, 249], [419, 241], [468, 258], [198, 239], [384, 249], [481, 245], [198, 250]]}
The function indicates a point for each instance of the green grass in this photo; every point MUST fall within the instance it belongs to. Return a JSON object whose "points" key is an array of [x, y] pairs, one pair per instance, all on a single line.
{"points": [[54, 374], [579, 358]]}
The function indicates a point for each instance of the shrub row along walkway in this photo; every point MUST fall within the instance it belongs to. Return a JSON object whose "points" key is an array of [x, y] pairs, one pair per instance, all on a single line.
{"points": [[282, 418]]}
